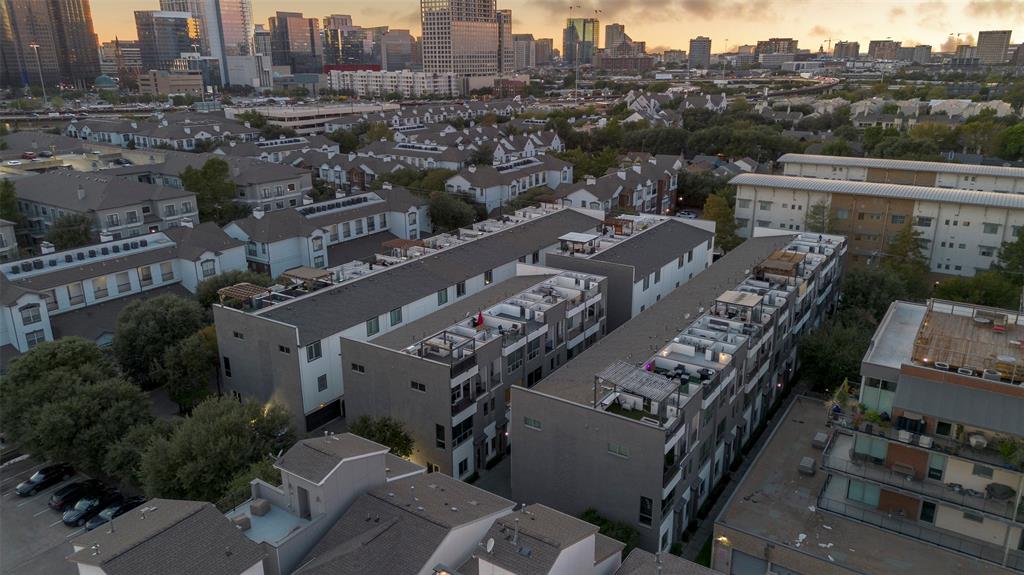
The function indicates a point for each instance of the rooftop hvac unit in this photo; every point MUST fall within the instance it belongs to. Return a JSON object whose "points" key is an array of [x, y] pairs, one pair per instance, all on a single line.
{"points": [[979, 441], [925, 442]]}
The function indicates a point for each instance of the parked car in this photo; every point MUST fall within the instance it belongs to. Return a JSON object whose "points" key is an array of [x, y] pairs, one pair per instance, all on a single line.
{"points": [[46, 154], [13, 162], [28, 155], [45, 477], [687, 214], [89, 506], [115, 510], [65, 497]]}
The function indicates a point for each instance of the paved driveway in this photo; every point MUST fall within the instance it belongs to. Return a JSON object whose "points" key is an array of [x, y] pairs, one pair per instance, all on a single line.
{"points": [[33, 539]]}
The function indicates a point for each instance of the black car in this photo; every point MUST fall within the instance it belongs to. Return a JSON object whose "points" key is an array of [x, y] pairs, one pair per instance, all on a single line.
{"points": [[115, 510], [89, 506], [67, 496], [45, 477]]}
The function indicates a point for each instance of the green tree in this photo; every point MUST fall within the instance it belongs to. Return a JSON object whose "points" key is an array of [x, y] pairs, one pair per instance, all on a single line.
{"points": [[347, 140], [70, 231], [482, 156], [872, 290], [146, 329], [386, 431], [448, 212], [206, 291], [214, 190], [378, 131], [905, 256], [256, 120], [1010, 261], [819, 218], [188, 367], [833, 352], [239, 489], [124, 456], [1011, 143], [208, 449], [9, 202], [988, 288], [621, 532], [718, 210], [433, 180], [836, 147]]}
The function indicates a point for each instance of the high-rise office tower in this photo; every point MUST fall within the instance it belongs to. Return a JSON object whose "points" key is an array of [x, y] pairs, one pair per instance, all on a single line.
{"points": [[700, 52], [459, 37], [295, 42], [225, 27], [261, 40], [883, 49], [76, 41], [398, 51], [992, 46], [64, 43], [775, 46], [614, 34], [336, 26], [506, 51], [164, 36], [579, 40], [525, 51], [120, 57], [846, 50], [543, 51]]}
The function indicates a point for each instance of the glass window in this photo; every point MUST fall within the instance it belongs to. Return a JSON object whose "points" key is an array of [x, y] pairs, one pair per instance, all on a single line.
{"points": [[924, 222], [620, 450], [982, 471], [899, 219], [372, 326], [227, 367], [990, 228], [371, 224], [742, 204], [166, 271], [30, 314], [314, 351], [318, 243], [124, 282], [439, 436], [646, 510], [396, 316], [442, 296], [842, 214], [145, 275], [488, 277], [863, 492], [418, 386], [346, 230], [209, 268], [358, 368], [34, 338], [460, 289], [936, 466], [51, 299], [927, 512], [321, 383], [99, 287], [533, 423]]}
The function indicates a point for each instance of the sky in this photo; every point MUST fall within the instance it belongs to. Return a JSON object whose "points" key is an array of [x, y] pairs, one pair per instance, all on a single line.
{"points": [[671, 23]]}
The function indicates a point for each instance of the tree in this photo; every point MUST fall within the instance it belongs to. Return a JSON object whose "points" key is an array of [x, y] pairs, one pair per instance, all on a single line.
{"points": [[448, 212], [482, 156], [988, 288], [836, 147], [1011, 143], [147, 328], [208, 449], [819, 218], [386, 431], [872, 290], [717, 209], [255, 119], [9, 202], [124, 456], [206, 291], [378, 131], [188, 367], [621, 532], [906, 257], [833, 352], [347, 140], [239, 489], [214, 190], [70, 231], [1010, 261]]}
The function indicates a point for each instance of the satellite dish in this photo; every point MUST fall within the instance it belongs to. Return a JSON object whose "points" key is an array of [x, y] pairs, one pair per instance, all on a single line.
{"points": [[490, 544]]}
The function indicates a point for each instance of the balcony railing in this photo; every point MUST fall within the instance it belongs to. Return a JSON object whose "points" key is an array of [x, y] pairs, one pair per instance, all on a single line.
{"points": [[463, 365], [461, 405], [915, 529]]}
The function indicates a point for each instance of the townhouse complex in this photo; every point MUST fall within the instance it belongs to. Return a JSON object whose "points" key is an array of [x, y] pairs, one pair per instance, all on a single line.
{"points": [[963, 212], [924, 468]]}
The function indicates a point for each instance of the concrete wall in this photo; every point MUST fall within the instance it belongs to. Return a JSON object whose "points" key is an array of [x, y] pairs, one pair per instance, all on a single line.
{"points": [[620, 284]]}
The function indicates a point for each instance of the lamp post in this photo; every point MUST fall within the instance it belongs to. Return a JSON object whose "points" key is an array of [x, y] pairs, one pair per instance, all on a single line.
{"points": [[39, 67]]}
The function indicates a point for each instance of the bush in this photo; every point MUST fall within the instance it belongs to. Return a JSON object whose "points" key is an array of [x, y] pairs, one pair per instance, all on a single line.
{"points": [[239, 489], [386, 431], [614, 529]]}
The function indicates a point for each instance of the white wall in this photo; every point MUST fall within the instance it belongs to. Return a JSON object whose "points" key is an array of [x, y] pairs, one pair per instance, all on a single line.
{"points": [[461, 542]]}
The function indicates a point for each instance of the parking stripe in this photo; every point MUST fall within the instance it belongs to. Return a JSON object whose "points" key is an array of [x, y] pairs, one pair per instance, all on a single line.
{"points": [[41, 512], [74, 533], [33, 499]]}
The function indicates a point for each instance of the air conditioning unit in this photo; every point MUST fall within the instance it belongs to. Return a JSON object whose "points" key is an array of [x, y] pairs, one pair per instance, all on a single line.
{"points": [[979, 441], [925, 441], [904, 436]]}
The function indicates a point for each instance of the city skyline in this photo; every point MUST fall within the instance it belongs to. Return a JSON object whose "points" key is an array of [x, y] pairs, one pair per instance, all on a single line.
{"points": [[925, 22]]}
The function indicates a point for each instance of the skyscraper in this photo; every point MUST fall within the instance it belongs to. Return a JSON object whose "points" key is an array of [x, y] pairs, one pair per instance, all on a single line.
{"points": [[163, 36], [77, 53], [62, 33], [700, 52], [459, 37], [261, 40], [614, 34], [775, 46], [544, 51], [525, 51], [883, 49], [992, 46], [225, 27], [398, 51], [579, 40], [120, 57], [506, 51], [295, 42], [846, 50]]}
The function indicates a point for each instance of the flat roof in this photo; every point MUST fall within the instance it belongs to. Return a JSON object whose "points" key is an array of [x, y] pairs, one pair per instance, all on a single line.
{"points": [[648, 250], [632, 342], [776, 503], [894, 339], [913, 165], [877, 190]]}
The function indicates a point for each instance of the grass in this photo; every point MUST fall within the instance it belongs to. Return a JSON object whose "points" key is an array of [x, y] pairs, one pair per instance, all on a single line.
{"points": [[704, 557], [636, 414]]}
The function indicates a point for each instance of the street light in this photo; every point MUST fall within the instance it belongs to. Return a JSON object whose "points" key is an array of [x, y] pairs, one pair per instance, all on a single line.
{"points": [[39, 66]]}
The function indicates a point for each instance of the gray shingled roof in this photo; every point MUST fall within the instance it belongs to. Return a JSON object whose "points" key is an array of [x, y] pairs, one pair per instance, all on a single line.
{"points": [[171, 538], [650, 249], [642, 562], [331, 310], [205, 237], [101, 191], [314, 459], [93, 321]]}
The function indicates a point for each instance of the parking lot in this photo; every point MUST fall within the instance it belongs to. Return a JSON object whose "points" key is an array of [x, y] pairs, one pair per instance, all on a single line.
{"points": [[33, 539]]}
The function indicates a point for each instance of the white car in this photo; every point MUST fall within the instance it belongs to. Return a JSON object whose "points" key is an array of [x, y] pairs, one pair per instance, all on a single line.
{"points": [[686, 214], [13, 162]]}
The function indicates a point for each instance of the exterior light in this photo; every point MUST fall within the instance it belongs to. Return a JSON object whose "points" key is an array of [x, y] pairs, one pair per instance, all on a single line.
{"points": [[722, 539]]}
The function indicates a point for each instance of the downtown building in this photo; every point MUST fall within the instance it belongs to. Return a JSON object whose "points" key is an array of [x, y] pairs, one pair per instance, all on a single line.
{"points": [[460, 37], [295, 42], [700, 52], [580, 40], [164, 36], [410, 84], [61, 30], [225, 33], [993, 46], [659, 409], [846, 50]]}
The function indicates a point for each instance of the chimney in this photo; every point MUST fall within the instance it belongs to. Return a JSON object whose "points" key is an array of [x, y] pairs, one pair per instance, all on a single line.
{"points": [[386, 186], [636, 168], [216, 128], [187, 130], [47, 248], [306, 200], [257, 212], [187, 223], [591, 180], [135, 125], [106, 237], [621, 173], [247, 125], [472, 168], [351, 156], [81, 192], [235, 171]]}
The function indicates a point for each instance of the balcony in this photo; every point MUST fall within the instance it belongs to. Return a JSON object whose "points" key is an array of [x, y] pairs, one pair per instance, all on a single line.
{"points": [[840, 457], [461, 366], [462, 405]]}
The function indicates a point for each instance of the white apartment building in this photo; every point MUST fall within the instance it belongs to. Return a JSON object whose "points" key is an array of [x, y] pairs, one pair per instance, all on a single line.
{"points": [[378, 83]]}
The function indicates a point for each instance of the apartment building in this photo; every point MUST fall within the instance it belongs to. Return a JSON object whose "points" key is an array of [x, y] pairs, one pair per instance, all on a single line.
{"points": [[79, 292], [286, 345], [278, 150], [422, 155], [460, 37], [330, 233], [961, 230], [658, 410], [166, 535], [644, 257], [118, 206], [177, 130], [647, 186], [495, 186], [349, 172], [307, 120], [919, 469], [906, 172], [8, 241], [408, 83]]}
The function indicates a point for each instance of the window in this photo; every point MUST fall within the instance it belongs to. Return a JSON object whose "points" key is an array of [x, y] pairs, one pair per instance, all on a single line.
{"points": [[986, 251], [442, 296], [169, 210], [982, 471], [971, 516], [742, 204], [463, 467], [209, 268], [488, 277], [99, 287], [372, 326], [418, 386], [439, 436], [238, 335], [318, 262], [620, 450], [51, 299], [358, 368], [346, 230], [359, 227], [990, 228], [944, 428], [314, 351], [533, 348], [1015, 230], [321, 383], [76, 293], [924, 222], [34, 338], [371, 224], [647, 282], [515, 360], [764, 206], [936, 466], [863, 492], [646, 510], [30, 314], [657, 276], [927, 512], [842, 214], [284, 349], [898, 219], [460, 289], [113, 220], [318, 243], [227, 366], [166, 272], [533, 423], [186, 207], [396, 316]]}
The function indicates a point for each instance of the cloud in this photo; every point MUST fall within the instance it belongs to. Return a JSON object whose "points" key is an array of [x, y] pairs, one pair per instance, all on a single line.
{"points": [[820, 31], [1005, 9], [897, 12], [700, 8], [950, 43], [932, 14]]}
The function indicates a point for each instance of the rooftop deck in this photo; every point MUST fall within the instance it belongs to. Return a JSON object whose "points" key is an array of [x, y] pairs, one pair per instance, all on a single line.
{"points": [[984, 340], [270, 528]]}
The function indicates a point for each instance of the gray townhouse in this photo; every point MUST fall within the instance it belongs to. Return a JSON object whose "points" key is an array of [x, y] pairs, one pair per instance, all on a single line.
{"points": [[348, 172], [644, 424], [423, 155], [331, 233], [119, 206], [8, 241], [176, 130], [496, 185], [447, 375], [259, 184], [644, 257], [285, 344], [649, 186], [277, 150]]}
